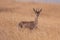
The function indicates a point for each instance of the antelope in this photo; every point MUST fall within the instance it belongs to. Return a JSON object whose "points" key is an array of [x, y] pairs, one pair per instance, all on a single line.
{"points": [[31, 24]]}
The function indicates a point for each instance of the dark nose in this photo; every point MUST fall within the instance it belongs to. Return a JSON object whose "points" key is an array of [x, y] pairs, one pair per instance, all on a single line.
{"points": [[37, 15]]}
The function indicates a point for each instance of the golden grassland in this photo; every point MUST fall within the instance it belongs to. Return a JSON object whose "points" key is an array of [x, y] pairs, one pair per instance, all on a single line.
{"points": [[13, 13]]}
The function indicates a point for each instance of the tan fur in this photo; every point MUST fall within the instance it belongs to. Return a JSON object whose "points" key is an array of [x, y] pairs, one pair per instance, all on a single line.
{"points": [[31, 24]]}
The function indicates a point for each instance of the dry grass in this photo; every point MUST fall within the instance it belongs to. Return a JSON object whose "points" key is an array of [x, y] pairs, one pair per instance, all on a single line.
{"points": [[48, 25]]}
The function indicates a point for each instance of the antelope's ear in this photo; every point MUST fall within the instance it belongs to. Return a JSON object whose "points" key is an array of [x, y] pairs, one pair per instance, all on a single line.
{"points": [[40, 9], [34, 10]]}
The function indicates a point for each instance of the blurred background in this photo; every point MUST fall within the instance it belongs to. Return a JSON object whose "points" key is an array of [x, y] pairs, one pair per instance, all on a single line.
{"points": [[45, 1], [37, 1]]}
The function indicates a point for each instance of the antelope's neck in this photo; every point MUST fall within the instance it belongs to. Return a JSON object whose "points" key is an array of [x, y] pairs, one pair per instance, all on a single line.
{"points": [[36, 20]]}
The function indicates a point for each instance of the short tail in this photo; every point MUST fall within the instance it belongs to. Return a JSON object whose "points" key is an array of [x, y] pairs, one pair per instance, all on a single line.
{"points": [[20, 25]]}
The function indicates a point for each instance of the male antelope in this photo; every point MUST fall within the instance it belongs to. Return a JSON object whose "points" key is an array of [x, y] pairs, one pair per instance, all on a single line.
{"points": [[31, 24]]}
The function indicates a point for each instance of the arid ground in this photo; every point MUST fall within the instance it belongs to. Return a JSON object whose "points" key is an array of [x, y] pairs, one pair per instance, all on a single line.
{"points": [[11, 14]]}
